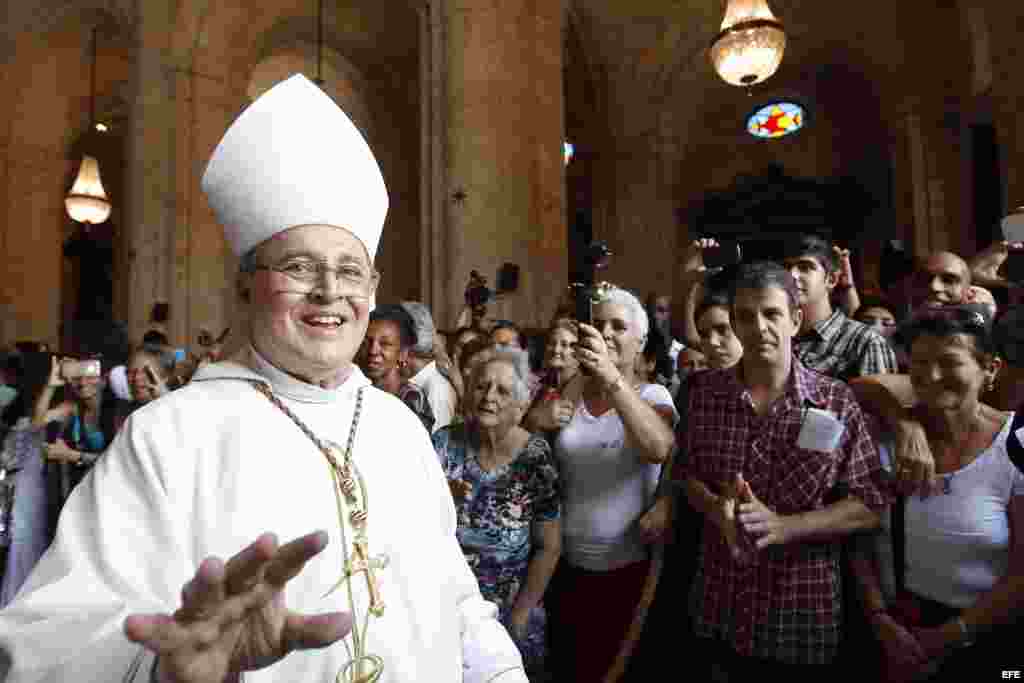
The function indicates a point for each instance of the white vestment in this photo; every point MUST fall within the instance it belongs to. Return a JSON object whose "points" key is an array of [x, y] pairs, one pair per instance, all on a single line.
{"points": [[207, 470]]}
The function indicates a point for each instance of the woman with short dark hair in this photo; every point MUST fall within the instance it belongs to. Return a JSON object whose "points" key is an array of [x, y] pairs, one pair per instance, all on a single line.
{"points": [[390, 334], [949, 573]]}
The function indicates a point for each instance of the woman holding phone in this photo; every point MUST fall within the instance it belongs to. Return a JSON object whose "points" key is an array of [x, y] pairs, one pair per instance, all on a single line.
{"points": [[80, 426]]}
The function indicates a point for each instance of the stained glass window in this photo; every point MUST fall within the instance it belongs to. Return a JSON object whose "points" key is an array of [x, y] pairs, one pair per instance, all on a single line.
{"points": [[776, 120], [568, 152]]}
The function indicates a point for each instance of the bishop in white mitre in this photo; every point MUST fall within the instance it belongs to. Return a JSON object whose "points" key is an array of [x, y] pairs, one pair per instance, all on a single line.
{"points": [[161, 569]]}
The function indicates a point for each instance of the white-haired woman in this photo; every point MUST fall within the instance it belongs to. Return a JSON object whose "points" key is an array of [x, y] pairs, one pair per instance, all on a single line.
{"points": [[610, 451], [505, 484]]}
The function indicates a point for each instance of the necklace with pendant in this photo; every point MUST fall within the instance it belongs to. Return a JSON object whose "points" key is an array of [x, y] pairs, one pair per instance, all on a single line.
{"points": [[350, 494], [947, 478]]}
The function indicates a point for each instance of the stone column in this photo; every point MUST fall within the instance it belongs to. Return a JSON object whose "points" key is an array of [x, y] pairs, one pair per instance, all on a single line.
{"points": [[505, 189], [433, 193], [1008, 97], [931, 167], [150, 176]]}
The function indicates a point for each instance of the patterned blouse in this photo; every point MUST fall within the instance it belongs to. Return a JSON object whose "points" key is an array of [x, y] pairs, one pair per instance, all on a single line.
{"points": [[496, 511], [499, 508]]}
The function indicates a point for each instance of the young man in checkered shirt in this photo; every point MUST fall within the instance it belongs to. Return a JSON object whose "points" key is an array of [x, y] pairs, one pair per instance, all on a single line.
{"points": [[829, 342], [781, 465]]}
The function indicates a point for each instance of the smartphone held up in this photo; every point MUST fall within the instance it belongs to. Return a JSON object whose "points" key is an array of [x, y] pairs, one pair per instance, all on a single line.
{"points": [[595, 258], [75, 369], [727, 253]]}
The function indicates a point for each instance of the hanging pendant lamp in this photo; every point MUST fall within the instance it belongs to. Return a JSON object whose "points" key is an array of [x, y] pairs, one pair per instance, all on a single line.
{"points": [[748, 49], [87, 201]]}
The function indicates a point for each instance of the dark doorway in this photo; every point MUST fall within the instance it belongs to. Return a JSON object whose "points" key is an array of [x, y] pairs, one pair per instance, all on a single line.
{"points": [[986, 170], [760, 210]]}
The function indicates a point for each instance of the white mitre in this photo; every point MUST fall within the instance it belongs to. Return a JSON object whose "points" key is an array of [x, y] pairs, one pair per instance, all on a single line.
{"points": [[294, 158]]}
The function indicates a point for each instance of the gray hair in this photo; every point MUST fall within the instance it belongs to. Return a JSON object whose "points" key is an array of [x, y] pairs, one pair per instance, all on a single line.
{"points": [[517, 359], [424, 324], [637, 312]]}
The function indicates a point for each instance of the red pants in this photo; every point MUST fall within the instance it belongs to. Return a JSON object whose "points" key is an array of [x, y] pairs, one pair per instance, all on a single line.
{"points": [[588, 616]]}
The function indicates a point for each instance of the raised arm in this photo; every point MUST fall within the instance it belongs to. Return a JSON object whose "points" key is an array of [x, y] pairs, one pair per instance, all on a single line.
{"points": [[986, 264], [42, 414], [648, 427], [889, 398], [694, 273], [846, 290]]}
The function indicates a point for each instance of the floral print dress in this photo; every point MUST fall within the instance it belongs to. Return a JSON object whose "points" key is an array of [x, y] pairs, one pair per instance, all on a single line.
{"points": [[496, 512]]}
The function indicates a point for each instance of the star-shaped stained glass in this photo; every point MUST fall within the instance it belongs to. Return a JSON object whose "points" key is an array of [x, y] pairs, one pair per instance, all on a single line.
{"points": [[776, 120]]}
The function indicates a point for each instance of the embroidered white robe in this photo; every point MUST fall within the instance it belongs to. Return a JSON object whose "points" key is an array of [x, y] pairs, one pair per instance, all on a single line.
{"points": [[207, 470]]}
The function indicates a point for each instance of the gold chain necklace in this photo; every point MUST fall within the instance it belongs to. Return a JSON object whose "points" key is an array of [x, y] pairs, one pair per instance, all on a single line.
{"points": [[349, 492]]}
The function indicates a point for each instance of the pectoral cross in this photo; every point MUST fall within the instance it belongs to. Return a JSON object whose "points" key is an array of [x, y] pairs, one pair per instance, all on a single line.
{"points": [[362, 562]]}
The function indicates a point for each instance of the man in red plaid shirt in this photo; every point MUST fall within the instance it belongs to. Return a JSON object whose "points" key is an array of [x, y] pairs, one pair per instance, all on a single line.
{"points": [[781, 465]]}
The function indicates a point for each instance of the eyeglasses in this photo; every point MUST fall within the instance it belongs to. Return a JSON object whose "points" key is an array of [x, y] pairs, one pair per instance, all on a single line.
{"points": [[351, 276]]}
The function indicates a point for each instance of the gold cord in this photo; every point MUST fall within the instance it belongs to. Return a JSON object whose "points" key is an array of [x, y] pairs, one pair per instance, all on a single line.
{"points": [[349, 491]]}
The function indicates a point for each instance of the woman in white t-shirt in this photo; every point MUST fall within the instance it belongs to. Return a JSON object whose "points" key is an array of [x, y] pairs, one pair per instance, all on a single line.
{"points": [[948, 577], [610, 454]]}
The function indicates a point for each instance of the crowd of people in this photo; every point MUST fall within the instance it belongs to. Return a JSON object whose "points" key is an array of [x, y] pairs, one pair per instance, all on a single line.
{"points": [[787, 478]]}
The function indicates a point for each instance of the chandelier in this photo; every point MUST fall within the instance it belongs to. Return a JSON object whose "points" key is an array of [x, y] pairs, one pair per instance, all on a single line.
{"points": [[87, 201], [748, 48]]}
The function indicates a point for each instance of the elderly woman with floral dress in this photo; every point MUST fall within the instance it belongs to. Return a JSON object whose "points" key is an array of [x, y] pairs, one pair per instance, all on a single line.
{"points": [[505, 484]]}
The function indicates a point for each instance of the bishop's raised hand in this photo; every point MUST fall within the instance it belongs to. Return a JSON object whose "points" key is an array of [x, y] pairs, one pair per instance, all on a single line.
{"points": [[233, 617]]}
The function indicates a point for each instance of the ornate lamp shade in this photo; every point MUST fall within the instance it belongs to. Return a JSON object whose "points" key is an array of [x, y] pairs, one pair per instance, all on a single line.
{"points": [[87, 201], [749, 47]]}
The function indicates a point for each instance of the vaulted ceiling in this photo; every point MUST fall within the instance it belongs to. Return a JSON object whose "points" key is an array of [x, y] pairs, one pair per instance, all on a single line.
{"points": [[652, 54]]}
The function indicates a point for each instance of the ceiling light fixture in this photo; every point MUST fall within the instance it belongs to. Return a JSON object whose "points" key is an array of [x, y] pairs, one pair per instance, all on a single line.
{"points": [[87, 201], [748, 49]]}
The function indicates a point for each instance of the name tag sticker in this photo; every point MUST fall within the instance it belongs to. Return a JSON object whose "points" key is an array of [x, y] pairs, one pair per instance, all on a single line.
{"points": [[820, 431]]}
